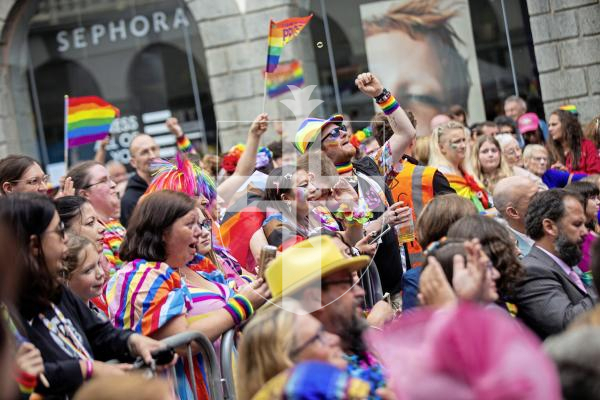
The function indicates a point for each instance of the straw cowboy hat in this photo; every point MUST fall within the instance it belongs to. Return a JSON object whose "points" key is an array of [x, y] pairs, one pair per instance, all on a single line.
{"points": [[307, 262]]}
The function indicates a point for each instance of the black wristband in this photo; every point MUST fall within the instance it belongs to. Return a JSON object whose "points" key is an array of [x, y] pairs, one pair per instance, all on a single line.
{"points": [[385, 94]]}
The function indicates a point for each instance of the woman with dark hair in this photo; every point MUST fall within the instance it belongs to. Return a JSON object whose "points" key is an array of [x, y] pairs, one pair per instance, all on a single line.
{"points": [[162, 239], [72, 340], [568, 148], [22, 174], [79, 218], [499, 246], [92, 181], [482, 286], [591, 205]]}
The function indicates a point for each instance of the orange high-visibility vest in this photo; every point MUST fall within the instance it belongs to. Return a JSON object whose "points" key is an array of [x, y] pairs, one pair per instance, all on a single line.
{"points": [[414, 186]]}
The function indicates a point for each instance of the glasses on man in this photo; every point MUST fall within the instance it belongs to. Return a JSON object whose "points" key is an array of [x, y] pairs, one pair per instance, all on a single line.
{"points": [[37, 181], [540, 159], [349, 281], [103, 181], [335, 133], [319, 336]]}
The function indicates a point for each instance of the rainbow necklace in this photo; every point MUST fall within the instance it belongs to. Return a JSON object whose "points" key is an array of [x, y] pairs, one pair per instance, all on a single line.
{"points": [[343, 168]]}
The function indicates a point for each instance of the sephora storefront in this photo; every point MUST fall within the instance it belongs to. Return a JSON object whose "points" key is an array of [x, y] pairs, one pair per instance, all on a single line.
{"points": [[145, 57]]}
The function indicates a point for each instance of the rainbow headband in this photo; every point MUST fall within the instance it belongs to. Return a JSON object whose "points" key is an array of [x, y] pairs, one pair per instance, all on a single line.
{"points": [[185, 177]]}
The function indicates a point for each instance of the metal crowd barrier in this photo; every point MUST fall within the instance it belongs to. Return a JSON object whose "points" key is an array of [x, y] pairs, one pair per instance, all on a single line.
{"points": [[208, 354], [228, 355]]}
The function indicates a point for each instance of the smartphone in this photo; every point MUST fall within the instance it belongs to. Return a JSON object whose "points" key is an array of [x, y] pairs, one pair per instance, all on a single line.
{"points": [[385, 229], [267, 254]]}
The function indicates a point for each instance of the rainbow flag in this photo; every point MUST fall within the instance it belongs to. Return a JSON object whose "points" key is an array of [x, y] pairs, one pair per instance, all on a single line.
{"points": [[287, 74], [87, 119], [280, 34]]}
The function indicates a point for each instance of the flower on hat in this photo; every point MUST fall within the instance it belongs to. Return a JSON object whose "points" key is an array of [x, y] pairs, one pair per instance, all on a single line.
{"points": [[232, 157], [263, 157]]}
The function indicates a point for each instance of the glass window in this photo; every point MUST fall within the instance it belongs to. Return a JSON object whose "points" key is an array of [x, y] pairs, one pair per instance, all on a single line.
{"points": [[143, 57], [432, 57]]}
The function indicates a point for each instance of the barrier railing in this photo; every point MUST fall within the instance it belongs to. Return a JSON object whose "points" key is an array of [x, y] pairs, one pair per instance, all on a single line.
{"points": [[228, 354], [208, 354]]}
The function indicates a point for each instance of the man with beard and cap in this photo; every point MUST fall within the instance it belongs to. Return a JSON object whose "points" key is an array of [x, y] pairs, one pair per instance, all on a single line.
{"points": [[321, 274], [370, 175], [552, 293]]}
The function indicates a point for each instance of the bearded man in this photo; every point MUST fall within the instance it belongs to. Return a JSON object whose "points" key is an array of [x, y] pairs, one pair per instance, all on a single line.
{"points": [[553, 292]]}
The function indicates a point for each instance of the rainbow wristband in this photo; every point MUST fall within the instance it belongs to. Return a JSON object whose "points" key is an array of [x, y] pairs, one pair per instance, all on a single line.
{"points": [[26, 382], [184, 144], [239, 307], [389, 106]]}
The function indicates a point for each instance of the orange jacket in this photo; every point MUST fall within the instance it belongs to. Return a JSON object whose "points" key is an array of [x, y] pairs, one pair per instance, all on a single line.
{"points": [[414, 186]]}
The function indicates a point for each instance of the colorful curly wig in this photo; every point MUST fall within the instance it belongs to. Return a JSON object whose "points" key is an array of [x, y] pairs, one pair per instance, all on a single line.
{"points": [[184, 176]]}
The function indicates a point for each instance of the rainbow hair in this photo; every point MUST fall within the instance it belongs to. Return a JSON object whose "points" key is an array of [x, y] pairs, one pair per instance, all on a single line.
{"points": [[184, 176]]}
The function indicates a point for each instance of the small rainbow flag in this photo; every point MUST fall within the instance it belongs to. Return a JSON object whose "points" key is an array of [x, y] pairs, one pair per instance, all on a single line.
{"points": [[280, 34], [287, 74], [87, 119]]}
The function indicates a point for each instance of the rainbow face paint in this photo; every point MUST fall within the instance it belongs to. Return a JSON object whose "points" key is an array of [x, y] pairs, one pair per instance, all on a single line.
{"points": [[301, 194], [331, 144]]}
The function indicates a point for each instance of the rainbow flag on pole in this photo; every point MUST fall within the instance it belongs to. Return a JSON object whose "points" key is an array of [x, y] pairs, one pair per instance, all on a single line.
{"points": [[287, 74], [280, 34], [87, 119]]}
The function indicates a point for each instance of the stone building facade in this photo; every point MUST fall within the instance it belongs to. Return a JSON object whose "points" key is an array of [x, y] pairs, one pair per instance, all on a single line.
{"points": [[235, 51], [566, 35]]}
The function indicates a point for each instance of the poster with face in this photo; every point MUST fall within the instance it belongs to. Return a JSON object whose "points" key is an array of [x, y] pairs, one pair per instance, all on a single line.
{"points": [[424, 53]]}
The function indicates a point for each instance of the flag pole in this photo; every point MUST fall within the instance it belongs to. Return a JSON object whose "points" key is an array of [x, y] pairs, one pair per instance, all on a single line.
{"points": [[264, 104], [66, 134], [264, 92]]}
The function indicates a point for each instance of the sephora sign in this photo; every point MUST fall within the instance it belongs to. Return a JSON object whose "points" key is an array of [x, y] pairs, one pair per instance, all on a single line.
{"points": [[119, 30]]}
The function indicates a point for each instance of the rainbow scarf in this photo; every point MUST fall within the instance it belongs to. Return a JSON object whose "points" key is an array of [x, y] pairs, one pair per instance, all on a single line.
{"points": [[343, 168], [466, 186], [280, 34], [287, 74], [114, 233], [88, 119]]}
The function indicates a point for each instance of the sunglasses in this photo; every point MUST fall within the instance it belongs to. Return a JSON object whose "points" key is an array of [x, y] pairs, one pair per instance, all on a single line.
{"points": [[335, 133]]}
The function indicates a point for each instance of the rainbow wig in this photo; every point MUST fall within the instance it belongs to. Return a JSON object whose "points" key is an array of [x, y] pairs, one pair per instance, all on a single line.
{"points": [[185, 177]]}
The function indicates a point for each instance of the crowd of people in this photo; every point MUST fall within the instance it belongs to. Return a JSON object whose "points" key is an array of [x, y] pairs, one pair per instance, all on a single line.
{"points": [[367, 264]]}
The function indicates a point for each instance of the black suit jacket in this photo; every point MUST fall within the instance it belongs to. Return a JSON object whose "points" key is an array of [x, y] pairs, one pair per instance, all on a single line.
{"points": [[547, 299]]}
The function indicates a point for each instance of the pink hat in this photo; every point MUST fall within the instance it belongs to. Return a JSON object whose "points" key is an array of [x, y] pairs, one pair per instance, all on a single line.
{"points": [[464, 352], [528, 122]]}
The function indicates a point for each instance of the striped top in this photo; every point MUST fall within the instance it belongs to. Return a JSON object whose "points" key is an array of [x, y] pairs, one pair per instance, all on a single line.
{"points": [[144, 296], [206, 301]]}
